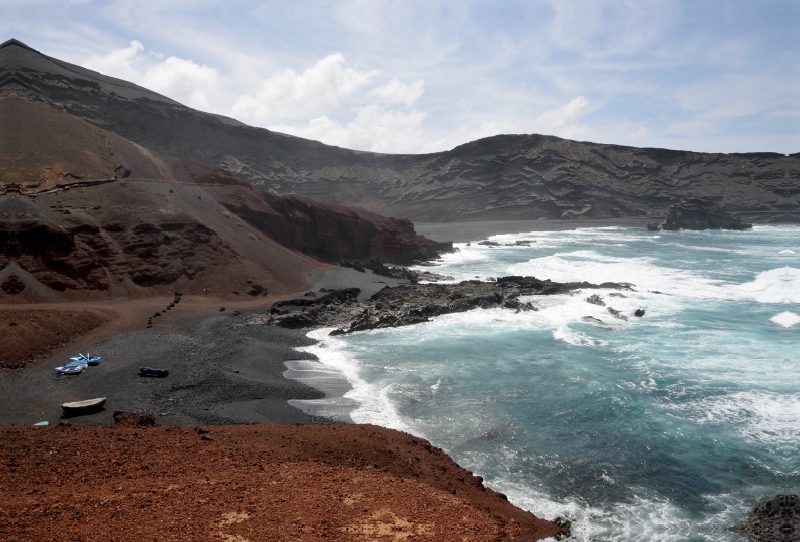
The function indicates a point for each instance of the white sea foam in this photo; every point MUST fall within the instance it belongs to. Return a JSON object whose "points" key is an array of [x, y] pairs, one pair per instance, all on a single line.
{"points": [[326, 379], [576, 338], [373, 403], [642, 520], [786, 252], [642, 272], [786, 319], [775, 286]]}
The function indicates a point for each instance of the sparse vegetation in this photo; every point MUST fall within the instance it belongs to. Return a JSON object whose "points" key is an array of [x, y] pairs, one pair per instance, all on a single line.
{"points": [[227, 214]]}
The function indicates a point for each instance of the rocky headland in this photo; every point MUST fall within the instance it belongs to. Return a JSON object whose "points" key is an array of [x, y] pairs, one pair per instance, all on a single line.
{"points": [[86, 213]]}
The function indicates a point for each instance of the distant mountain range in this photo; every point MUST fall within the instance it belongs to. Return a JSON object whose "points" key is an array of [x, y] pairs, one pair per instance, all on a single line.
{"points": [[502, 177]]}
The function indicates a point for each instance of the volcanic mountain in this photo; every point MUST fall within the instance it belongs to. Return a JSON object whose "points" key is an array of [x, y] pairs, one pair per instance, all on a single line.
{"points": [[85, 213], [502, 177]]}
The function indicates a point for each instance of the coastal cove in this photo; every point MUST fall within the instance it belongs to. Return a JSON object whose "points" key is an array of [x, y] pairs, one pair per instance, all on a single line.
{"points": [[666, 427], [371, 271]]}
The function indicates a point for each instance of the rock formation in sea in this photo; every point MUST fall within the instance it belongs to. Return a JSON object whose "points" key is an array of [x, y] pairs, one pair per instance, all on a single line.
{"points": [[699, 214], [500, 177]]}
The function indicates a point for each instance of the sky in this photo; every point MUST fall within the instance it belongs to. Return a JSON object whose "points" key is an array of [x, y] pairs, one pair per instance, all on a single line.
{"points": [[409, 76]]}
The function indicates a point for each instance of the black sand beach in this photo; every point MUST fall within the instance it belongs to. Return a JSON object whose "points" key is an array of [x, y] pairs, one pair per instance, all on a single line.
{"points": [[221, 371]]}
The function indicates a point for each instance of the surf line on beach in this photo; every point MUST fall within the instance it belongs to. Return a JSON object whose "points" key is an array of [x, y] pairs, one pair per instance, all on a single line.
{"points": [[348, 397]]}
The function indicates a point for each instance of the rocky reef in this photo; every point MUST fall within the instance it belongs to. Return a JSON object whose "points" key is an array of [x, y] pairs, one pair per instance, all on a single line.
{"points": [[699, 214], [408, 304]]}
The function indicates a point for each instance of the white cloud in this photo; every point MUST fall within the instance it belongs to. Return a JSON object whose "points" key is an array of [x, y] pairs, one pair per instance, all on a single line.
{"points": [[665, 75], [177, 78], [373, 129], [289, 95], [183, 80], [396, 91], [377, 128], [562, 120], [117, 63]]}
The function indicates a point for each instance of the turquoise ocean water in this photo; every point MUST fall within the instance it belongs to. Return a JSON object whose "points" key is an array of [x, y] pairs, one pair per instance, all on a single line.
{"points": [[667, 427]]}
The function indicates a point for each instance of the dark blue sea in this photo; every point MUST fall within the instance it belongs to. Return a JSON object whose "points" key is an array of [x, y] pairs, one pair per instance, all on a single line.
{"points": [[667, 427]]}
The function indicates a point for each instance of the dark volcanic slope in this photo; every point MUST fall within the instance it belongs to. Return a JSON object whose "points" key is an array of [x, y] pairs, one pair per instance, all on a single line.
{"points": [[503, 177]]}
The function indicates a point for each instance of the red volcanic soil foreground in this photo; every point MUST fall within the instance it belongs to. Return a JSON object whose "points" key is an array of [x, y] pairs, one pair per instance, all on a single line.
{"points": [[244, 483]]}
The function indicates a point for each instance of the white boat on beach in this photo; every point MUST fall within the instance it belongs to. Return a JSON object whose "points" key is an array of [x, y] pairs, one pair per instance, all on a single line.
{"points": [[82, 407]]}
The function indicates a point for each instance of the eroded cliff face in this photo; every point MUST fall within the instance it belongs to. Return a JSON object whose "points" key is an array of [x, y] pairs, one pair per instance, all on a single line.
{"points": [[503, 177], [329, 231], [93, 250]]}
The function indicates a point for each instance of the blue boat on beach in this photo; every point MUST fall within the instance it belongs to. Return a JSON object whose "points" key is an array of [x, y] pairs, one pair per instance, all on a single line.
{"points": [[70, 369], [77, 364], [88, 359]]}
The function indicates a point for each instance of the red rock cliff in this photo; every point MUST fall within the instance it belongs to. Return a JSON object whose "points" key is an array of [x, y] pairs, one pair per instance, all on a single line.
{"points": [[325, 230]]}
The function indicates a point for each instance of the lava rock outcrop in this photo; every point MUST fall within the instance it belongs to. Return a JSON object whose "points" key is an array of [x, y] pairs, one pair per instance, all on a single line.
{"points": [[395, 272], [409, 304]]}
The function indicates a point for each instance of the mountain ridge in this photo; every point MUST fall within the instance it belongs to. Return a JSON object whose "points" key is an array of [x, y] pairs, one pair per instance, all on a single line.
{"points": [[500, 177]]}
